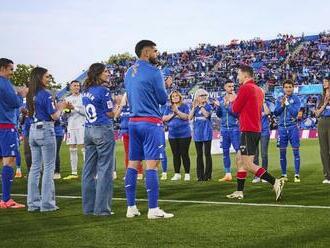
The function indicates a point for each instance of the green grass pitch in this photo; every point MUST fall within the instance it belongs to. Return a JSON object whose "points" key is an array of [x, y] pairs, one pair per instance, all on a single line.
{"points": [[195, 224]]}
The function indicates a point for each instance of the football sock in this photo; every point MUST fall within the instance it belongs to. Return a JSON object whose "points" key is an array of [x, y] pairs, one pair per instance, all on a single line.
{"points": [[241, 176], [74, 160], [263, 174], [164, 163], [130, 186], [18, 159], [283, 161], [152, 186], [296, 155], [226, 160], [7, 180]]}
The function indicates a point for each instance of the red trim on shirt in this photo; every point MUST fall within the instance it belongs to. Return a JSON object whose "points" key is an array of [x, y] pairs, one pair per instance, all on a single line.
{"points": [[146, 119], [6, 126]]}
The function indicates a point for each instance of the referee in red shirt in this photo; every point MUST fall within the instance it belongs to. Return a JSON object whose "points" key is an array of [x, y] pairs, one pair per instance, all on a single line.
{"points": [[248, 105]]}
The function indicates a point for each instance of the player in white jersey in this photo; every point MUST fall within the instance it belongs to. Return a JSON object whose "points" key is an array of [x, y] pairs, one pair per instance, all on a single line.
{"points": [[76, 129]]}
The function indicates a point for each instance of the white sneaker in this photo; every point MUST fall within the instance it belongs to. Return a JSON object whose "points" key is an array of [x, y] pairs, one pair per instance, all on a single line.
{"points": [[236, 195], [326, 181], [284, 178], [164, 176], [57, 176], [186, 177], [132, 212], [278, 187], [140, 177], [157, 213], [114, 175], [176, 177], [263, 181], [256, 180]]}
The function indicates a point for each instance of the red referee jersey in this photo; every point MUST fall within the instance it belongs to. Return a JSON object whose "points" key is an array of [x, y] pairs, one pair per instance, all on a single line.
{"points": [[248, 104]]}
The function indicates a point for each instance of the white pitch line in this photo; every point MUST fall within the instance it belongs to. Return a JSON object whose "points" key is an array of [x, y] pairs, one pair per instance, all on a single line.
{"points": [[205, 202]]}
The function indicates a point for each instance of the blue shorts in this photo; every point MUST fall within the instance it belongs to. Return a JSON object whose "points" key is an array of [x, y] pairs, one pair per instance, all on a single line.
{"points": [[288, 134], [146, 141], [8, 142], [230, 137]]}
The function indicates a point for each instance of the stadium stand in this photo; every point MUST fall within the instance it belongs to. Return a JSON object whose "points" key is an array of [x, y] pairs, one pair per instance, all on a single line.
{"points": [[305, 59]]}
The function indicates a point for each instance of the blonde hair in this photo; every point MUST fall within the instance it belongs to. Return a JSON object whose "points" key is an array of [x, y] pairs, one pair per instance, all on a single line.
{"points": [[178, 93], [200, 92]]}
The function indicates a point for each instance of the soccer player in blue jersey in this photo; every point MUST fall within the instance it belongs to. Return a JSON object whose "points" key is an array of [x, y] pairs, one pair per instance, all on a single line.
{"points": [[287, 109], [97, 177], [230, 133], [9, 102], [145, 89]]}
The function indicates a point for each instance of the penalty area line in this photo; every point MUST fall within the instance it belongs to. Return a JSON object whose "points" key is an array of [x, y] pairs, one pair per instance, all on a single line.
{"points": [[203, 202]]}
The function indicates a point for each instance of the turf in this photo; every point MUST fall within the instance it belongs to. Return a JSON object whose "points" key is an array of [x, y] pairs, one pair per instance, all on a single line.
{"points": [[194, 225]]}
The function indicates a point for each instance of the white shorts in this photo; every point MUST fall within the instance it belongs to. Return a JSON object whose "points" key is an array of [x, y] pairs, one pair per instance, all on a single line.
{"points": [[75, 136]]}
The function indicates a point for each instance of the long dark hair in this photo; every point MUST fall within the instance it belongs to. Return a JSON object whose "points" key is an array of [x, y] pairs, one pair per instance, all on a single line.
{"points": [[324, 92], [35, 85], [93, 75]]}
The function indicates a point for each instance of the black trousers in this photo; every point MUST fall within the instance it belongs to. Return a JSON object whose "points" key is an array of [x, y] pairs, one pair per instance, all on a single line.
{"points": [[201, 174], [323, 129], [180, 150], [27, 153], [58, 148]]}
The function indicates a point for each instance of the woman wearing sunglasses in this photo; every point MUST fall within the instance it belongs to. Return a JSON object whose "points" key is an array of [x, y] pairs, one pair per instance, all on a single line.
{"points": [[202, 133]]}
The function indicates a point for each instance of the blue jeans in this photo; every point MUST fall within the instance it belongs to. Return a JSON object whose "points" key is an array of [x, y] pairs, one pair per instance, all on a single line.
{"points": [[264, 142], [43, 150], [97, 183]]}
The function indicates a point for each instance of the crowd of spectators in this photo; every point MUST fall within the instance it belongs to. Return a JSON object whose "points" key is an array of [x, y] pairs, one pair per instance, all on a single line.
{"points": [[209, 66], [312, 62], [306, 60]]}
